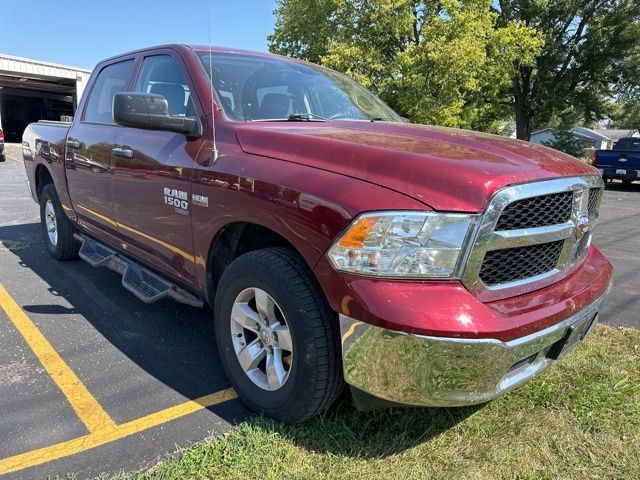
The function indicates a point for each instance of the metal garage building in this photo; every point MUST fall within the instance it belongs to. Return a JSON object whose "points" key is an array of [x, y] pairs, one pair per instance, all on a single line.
{"points": [[32, 90]]}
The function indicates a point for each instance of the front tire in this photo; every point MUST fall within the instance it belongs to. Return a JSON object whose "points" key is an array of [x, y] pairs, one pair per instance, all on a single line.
{"points": [[277, 337], [57, 229]]}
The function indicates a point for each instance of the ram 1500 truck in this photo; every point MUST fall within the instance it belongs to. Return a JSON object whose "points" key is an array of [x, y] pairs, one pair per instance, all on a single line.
{"points": [[623, 162], [336, 243]]}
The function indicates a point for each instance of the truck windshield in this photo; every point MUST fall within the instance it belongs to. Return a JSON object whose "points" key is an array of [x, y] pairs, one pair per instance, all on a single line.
{"points": [[252, 88]]}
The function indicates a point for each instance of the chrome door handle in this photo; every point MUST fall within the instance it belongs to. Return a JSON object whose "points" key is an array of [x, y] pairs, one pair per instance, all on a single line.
{"points": [[122, 152], [72, 143]]}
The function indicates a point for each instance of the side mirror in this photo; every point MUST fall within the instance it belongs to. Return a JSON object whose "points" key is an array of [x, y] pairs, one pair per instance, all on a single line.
{"points": [[151, 112], [405, 120]]}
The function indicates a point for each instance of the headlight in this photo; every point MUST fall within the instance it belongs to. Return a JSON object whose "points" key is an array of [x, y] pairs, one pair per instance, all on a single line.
{"points": [[403, 244]]}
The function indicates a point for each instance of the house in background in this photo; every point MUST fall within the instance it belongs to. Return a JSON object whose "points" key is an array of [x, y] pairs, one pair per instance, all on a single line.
{"points": [[602, 139], [590, 139], [617, 134]]}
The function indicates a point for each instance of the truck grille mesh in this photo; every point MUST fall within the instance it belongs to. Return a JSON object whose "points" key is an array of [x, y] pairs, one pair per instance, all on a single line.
{"points": [[537, 211], [582, 247], [594, 200], [511, 264]]}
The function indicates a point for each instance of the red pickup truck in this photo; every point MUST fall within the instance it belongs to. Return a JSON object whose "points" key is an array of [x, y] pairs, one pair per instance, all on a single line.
{"points": [[336, 243]]}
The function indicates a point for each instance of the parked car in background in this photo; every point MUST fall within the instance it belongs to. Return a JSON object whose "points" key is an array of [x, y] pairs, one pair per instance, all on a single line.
{"points": [[2, 158], [622, 162], [335, 242]]}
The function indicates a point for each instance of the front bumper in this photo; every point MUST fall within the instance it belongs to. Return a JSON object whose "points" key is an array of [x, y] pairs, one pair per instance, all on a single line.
{"points": [[445, 372]]}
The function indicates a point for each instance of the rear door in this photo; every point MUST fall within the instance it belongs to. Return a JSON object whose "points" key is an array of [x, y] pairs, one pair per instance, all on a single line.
{"points": [[151, 182], [88, 161]]}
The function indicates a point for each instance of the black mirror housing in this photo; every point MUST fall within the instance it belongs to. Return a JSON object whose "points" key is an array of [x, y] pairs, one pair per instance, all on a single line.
{"points": [[151, 112]]}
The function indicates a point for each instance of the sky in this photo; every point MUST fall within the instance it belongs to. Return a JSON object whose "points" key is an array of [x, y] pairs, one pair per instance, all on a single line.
{"points": [[81, 33]]}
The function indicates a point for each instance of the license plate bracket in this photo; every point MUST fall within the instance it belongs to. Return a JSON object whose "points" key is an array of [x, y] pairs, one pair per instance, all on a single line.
{"points": [[574, 335]]}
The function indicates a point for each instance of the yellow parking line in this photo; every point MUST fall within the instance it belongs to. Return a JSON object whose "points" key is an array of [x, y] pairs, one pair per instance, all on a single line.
{"points": [[84, 404], [350, 331], [12, 158], [110, 434]]}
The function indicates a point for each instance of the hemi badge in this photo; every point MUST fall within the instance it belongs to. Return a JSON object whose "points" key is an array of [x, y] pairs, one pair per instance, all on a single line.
{"points": [[200, 200]]}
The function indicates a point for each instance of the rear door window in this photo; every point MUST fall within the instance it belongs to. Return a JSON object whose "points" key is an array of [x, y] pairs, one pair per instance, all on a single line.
{"points": [[112, 79]]}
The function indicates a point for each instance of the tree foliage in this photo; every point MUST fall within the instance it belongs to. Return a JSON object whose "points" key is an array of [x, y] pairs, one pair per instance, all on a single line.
{"points": [[566, 141], [475, 63], [581, 64], [434, 62]]}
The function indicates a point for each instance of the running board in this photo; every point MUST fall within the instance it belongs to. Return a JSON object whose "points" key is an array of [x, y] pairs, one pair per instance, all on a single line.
{"points": [[142, 282]]}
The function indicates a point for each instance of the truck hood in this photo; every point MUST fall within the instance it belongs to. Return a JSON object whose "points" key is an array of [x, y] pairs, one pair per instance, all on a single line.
{"points": [[444, 168]]}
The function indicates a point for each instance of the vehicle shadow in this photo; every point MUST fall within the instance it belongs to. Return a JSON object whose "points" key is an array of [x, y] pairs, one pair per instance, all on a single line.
{"points": [[380, 433], [175, 344]]}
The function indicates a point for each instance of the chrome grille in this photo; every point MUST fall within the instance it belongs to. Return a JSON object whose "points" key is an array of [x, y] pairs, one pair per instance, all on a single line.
{"points": [[511, 264], [594, 201], [532, 235], [583, 246], [537, 212]]}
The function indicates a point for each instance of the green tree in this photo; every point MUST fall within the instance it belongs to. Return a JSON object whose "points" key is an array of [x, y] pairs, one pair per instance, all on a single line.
{"points": [[565, 141], [582, 64], [625, 111], [626, 115], [446, 63]]}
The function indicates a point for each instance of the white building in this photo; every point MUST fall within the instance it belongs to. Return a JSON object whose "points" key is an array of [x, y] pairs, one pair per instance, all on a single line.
{"points": [[590, 139], [32, 90]]}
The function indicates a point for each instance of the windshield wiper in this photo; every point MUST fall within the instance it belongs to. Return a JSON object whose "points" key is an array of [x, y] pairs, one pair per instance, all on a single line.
{"points": [[379, 119], [305, 117]]}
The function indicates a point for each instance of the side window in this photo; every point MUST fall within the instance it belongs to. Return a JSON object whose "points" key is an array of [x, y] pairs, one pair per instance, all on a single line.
{"points": [[161, 75], [111, 80]]}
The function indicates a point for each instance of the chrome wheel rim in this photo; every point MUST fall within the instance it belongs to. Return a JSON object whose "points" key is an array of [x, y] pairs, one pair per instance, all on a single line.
{"points": [[261, 339], [51, 223]]}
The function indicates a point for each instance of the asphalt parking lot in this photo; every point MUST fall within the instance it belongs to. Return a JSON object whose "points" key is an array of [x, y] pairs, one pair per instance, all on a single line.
{"points": [[91, 379], [94, 381]]}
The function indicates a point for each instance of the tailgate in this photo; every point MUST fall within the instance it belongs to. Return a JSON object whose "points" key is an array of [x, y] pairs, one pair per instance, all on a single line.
{"points": [[619, 159]]}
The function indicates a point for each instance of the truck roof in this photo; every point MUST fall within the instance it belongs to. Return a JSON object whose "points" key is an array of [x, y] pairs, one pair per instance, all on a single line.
{"points": [[199, 48]]}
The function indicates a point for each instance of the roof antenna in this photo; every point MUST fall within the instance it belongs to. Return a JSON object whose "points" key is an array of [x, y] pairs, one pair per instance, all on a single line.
{"points": [[214, 153]]}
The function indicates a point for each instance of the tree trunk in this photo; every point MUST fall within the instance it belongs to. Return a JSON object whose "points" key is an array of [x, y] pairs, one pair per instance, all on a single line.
{"points": [[524, 122], [521, 106]]}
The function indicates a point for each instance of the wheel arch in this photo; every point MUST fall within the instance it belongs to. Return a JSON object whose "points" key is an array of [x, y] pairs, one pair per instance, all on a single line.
{"points": [[237, 238], [42, 177]]}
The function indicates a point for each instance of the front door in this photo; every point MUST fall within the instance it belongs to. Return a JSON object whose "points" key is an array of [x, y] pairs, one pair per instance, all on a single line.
{"points": [[151, 182], [89, 162]]}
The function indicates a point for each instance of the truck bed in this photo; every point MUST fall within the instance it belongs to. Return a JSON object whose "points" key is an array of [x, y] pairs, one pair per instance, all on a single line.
{"points": [[620, 164]]}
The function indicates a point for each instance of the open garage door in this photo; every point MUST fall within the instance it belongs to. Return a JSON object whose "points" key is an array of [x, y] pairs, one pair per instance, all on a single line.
{"points": [[32, 91]]}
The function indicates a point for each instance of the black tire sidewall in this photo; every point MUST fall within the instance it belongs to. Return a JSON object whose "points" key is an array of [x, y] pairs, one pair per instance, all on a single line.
{"points": [[67, 246], [287, 402]]}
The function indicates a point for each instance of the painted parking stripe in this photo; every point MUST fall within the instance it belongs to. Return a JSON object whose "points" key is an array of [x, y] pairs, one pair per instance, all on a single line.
{"points": [[85, 405], [12, 158], [112, 433]]}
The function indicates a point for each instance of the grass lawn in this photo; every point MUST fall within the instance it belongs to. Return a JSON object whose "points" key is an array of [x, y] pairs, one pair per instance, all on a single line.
{"points": [[580, 419]]}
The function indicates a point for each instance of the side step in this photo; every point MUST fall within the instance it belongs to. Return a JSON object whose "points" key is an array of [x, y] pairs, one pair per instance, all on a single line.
{"points": [[142, 282]]}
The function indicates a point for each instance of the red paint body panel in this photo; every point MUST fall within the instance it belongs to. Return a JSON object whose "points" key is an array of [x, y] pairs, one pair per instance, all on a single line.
{"points": [[308, 207], [447, 309], [306, 182], [447, 169]]}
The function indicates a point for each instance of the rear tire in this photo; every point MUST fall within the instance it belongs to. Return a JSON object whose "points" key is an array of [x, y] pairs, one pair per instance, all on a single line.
{"points": [[313, 379], [57, 229]]}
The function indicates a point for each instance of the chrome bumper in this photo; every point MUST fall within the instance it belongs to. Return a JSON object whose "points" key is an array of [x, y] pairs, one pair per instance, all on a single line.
{"points": [[447, 372]]}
